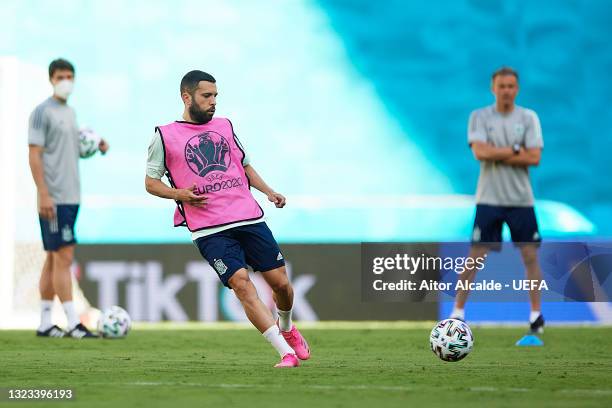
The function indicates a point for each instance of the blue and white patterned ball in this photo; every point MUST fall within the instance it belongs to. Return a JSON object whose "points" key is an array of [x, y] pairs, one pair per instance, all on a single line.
{"points": [[114, 323], [88, 142], [451, 340]]}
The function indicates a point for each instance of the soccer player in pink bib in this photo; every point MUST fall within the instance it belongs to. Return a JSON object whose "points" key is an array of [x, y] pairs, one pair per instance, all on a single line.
{"points": [[210, 176]]}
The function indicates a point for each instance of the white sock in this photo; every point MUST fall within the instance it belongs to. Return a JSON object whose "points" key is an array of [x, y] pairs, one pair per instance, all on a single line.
{"points": [[71, 314], [45, 314], [458, 314], [533, 316], [278, 341], [284, 320]]}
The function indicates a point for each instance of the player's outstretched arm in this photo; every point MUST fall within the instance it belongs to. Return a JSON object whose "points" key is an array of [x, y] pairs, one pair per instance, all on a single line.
{"points": [[526, 157], [256, 181], [158, 188], [486, 152]]}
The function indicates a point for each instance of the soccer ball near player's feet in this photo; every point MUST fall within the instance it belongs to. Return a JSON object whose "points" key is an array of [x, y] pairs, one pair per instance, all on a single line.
{"points": [[451, 340], [114, 323]]}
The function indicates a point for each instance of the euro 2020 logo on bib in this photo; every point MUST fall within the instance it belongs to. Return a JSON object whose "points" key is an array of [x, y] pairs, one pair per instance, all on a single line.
{"points": [[206, 152]]}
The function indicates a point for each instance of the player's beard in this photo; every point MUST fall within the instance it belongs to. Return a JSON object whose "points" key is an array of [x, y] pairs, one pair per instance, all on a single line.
{"points": [[199, 115]]}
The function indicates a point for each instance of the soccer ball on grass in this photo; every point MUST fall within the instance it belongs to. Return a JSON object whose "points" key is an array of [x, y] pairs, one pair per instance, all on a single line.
{"points": [[114, 323], [451, 340]]}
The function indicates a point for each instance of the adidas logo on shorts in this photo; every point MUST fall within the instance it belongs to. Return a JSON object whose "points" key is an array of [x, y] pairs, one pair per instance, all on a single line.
{"points": [[279, 257]]}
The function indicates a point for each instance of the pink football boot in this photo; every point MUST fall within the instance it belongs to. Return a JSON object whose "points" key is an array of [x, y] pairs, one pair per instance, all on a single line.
{"points": [[297, 342], [289, 360]]}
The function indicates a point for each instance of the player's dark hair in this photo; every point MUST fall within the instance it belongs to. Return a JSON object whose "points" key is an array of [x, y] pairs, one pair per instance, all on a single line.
{"points": [[190, 81], [505, 71], [60, 64]]}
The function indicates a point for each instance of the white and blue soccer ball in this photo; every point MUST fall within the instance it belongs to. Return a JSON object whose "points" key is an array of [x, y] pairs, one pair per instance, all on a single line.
{"points": [[88, 142], [451, 340], [114, 323]]}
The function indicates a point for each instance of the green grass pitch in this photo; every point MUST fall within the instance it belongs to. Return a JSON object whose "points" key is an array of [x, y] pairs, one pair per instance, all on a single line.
{"points": [[350, 367]]}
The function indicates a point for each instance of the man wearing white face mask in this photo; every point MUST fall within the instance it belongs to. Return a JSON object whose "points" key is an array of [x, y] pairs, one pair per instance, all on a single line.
{"points": [[53, 139]]}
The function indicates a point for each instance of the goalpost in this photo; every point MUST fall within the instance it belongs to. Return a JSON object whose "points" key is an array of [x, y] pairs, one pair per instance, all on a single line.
{"points": [[22, 87], [7, 203]]}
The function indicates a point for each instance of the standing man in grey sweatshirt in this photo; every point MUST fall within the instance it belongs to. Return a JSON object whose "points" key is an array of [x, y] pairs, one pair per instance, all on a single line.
{"points": [[53, 139], [507, 140]]}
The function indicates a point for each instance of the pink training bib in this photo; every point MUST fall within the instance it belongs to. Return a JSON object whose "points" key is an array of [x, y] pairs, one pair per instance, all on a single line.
{"points": [[209, 156]]}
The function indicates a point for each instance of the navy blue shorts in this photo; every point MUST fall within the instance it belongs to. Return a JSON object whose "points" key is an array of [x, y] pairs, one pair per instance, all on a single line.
{"points": [[228, 251], [490, 219], [59, 231]]}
